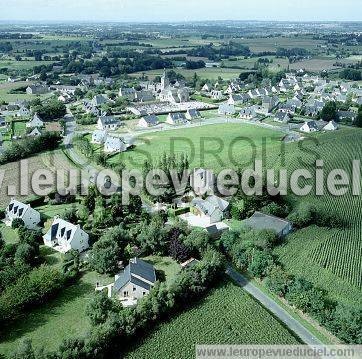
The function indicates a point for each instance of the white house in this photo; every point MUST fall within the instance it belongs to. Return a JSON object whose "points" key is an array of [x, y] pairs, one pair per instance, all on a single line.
{"points": [[176, 118], [212, 208], [206, 88], [226, 109], [133, 283], [63, 236], [99, 136], [34, 133], [148, 121], [108, 123], [127, 92], [114, 145], [216, 95], [35, 122], [331, 126], [282, 117], [192, 114], [17, 209], [310, 126]]}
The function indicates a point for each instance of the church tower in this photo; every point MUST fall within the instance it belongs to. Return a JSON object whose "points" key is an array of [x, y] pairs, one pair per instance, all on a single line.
{"points": [[165, 82]]}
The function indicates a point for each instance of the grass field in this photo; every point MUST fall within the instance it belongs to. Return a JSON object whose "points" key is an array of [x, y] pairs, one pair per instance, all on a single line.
{"points": [[212, 73], [227, 316], [214, 138], [22, 65], [8, 234], [6, 87]]}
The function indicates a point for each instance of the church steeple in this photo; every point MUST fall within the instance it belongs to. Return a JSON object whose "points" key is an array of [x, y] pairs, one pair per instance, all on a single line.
{"points": [[165, 82]]}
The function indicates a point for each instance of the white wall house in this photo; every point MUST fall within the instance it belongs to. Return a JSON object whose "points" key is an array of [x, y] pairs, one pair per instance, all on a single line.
{"points": [[212, 208], [148, 121], [108, 123], [133, 283], [114, 145], [99, 137], [36, 121], [331, 126], [17, 209], [63, 236], [309, 126]]}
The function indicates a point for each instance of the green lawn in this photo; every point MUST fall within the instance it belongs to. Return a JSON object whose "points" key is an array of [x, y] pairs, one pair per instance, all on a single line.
{"points": [[165, 266], [9, 235], [60, 318], [224, 140], [227, 316]]}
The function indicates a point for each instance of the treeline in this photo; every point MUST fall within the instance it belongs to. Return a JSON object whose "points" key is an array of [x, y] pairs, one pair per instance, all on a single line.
{"points": [[50, 110], [5, 47], [296, 51], [26, 147], [217, 53], [351, 74]]}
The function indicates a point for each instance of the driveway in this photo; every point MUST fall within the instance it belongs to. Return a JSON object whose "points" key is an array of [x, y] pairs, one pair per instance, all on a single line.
{"points": [[303, 333]]}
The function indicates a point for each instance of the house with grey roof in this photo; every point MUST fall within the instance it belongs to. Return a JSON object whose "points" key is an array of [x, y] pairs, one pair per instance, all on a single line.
{"points": [[127, 92], [226, 110], [99, 100], [99, 136], [192, 114], [115, 145], [310, 126], [133, 283], [108, 123], [260, 221], [63, 236], [213, 208], [148, 121], [176, 118], [37, 89], [282, 117], [36, 121]]}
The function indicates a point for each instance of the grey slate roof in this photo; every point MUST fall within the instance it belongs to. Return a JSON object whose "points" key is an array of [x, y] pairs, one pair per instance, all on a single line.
{"points": [[136, 270], [261, 221]]}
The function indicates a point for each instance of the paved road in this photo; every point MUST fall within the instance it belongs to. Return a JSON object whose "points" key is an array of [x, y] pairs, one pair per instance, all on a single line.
{"points": [[304, 334]]}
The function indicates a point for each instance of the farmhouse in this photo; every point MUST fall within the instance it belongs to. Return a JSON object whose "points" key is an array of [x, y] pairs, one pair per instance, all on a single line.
{"points": [[37, 89], [34, 133], [35, 122], [148, 121], [64, 236], [248, 113], [114, 145], [212, 208], [108, 123], [331, 126], [226, 109], [282, 117], [310, 126], [192, 114], [17, 209], [176, 118], [261, 221], [99, 100], [99, 136], [133, 283], [216, 95], [127, 92]]}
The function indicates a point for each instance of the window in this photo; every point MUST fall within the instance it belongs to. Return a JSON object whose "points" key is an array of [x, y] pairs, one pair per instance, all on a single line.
{"points": [[125, 294], [143, 293], [134, 289]]}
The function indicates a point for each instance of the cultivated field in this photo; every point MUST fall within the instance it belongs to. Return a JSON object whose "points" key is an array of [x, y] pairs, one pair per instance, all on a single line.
{"points": [[236, 318]]}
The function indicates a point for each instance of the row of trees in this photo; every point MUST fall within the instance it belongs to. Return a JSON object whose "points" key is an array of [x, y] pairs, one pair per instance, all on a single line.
{"points": [[29, 146]]}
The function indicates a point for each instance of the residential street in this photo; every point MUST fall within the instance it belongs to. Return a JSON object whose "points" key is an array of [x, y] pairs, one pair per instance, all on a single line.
{"points": [[304, 334]]}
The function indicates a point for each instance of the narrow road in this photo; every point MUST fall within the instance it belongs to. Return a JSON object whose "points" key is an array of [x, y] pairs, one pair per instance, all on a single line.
{"points": [[303, 333]]}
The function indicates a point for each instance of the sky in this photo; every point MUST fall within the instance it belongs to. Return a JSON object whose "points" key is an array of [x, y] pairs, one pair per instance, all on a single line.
{"points": [[182, 10]]}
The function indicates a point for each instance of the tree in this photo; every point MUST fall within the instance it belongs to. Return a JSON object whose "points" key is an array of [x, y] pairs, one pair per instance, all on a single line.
{"points": [[99, 308], [25, 254], [329, 111], [17, 223], [179, 251], [260, 263], [358, 121], [277, 280]]}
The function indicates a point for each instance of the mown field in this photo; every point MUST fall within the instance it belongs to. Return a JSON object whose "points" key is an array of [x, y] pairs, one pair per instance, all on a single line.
{"points": [[228, 315]]}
